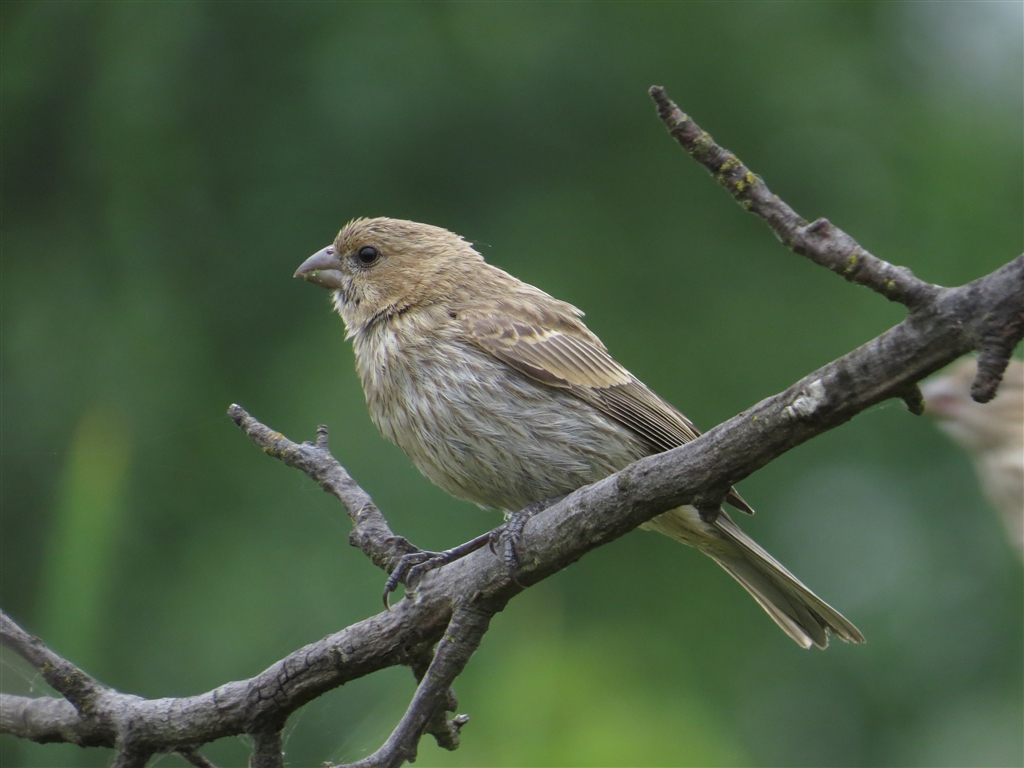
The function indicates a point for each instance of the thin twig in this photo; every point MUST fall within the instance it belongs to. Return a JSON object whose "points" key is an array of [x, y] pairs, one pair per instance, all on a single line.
{"points": [[827, 245], [822, 242], [445, 732], [370, 532], [132, 758], [468, 626], [63, 676]]}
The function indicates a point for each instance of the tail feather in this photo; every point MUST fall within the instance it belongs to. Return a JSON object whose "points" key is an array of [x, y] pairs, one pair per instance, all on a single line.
{"points": [[801, 614]]}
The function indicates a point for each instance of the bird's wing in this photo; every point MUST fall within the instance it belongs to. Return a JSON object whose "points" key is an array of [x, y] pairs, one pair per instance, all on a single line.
{"points": [[571, 361]]}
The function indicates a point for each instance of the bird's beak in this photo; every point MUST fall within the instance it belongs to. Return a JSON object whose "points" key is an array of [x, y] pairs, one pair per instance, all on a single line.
{"points": [[323, 268]]}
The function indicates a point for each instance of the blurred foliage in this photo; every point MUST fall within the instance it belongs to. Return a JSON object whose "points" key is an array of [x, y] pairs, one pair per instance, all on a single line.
{"points": [[166, 166]]}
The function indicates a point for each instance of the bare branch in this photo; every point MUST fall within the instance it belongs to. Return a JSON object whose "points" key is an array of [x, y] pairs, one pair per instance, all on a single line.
{"points": [[452, 606], [46, 719], [264, 702], [433, 695], [193, 757], [827, 245], [132, 758], [63, 676], [821, 241], [267, 752], [370, 532], [997, 338]]}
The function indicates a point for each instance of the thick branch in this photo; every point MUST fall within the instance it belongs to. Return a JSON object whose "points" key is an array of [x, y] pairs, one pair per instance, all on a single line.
{"points": [[256, 706], [46, 719]]}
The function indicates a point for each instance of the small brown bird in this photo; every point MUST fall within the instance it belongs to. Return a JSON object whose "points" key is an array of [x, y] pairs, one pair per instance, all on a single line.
{"points": [[992, 434], [501, 395]]}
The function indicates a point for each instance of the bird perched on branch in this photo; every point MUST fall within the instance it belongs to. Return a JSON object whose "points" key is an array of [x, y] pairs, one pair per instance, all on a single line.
{"points": [[992, 434], [501, 395]]}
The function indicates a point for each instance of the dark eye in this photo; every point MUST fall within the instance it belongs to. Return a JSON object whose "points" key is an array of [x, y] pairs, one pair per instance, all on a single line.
{"points": [[368, 255]]}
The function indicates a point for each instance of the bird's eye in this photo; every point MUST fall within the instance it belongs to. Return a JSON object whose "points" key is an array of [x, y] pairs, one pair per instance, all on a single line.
{"points": [[368, 255]]}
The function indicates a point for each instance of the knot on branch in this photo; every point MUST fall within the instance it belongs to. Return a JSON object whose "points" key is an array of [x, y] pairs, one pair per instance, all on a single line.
{"points": [[913, 398], [809, 399], [828, 245], [447, 732]]}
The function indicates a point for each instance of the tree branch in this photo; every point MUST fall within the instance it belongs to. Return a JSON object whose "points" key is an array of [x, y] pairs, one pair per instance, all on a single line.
{"points": [[267, 749], [63, 676], [452, 606], [370, 531], [820, 241], [828, 246], [433, 696]]}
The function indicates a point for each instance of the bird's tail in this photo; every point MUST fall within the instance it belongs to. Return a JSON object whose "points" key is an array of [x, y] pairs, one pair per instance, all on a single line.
{"points": [[800, 613]]}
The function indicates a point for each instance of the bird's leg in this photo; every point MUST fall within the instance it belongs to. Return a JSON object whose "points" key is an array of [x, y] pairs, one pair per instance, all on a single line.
{"points": [[709, 512], [413, 565], [505, 539]]}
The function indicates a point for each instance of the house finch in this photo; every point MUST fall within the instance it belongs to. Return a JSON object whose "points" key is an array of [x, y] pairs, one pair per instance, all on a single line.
{"points": [[992, 434], [501, 395]]}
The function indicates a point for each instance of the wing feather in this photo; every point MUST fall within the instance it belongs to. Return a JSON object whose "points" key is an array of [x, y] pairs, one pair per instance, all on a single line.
{"points": [[572, 358]]}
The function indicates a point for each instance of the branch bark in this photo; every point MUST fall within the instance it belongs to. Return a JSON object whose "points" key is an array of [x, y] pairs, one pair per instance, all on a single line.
{"points": [[452, 606]]}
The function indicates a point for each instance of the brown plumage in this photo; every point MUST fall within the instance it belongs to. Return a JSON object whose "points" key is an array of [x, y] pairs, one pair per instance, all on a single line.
{"points": [[502, 396], [992, 434]]}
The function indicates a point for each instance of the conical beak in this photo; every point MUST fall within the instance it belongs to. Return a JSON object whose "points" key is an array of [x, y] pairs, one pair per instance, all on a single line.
{"points": [[323, 268]]}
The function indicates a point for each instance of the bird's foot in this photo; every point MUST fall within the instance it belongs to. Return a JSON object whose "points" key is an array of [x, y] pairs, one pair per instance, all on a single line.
{"points": [[503, 542], [506, 538], [413, 565]]}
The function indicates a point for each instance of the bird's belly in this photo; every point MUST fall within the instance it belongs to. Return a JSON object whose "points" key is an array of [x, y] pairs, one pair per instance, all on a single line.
{"points": [[484, 432]]}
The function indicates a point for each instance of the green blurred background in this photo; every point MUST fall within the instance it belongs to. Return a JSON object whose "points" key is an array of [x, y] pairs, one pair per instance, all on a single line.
{"points": [[167, 166]]}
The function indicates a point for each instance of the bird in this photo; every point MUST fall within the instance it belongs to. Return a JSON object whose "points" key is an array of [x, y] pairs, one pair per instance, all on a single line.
{"points": [[991, 433], [501, 395]]}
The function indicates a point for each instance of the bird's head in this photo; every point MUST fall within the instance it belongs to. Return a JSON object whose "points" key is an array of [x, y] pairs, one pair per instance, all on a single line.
{"points": [[379, 267]]}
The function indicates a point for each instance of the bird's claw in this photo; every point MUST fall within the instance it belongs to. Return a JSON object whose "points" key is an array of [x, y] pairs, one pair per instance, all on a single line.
{"points": [[409, 568], [504, 544], [505, 540], [412, 566]]}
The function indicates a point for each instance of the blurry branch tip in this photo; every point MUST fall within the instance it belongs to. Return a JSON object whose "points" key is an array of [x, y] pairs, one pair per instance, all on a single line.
{"points": [[451, 607], [998, 338]]}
